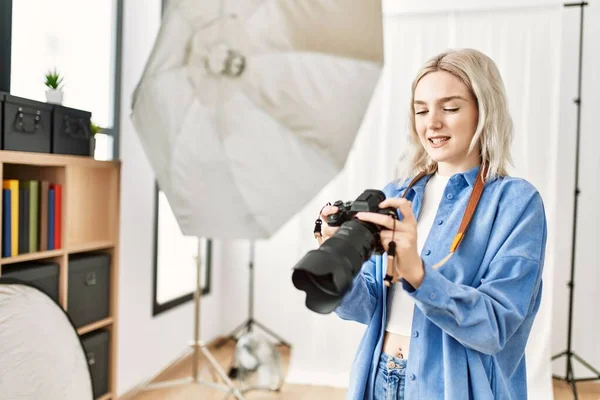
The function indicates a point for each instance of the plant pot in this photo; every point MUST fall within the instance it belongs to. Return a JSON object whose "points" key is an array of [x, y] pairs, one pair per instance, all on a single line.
{"points": [[92, 146], [54, 96]]}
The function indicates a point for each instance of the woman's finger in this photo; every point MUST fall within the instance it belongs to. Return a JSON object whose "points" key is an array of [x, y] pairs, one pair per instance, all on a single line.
{"points": [[402, 242], [385, 221], [328, 210]]}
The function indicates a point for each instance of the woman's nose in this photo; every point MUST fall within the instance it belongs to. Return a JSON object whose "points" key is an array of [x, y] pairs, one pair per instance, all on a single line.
{"points": [[434, 122]]}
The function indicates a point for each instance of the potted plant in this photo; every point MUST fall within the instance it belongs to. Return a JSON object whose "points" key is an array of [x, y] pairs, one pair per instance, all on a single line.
{"points": [[94, 129], [53, 82]]}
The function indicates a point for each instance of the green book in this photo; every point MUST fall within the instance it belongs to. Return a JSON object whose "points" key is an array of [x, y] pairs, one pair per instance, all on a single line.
{"points": [[34, 219]]}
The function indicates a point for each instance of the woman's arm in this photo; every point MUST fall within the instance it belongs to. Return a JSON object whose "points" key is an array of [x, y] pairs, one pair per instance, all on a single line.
{"points": [[359, 302], [485, 318]]}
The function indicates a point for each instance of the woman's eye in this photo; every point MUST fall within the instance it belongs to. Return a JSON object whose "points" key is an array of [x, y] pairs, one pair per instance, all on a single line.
{"points": [[421, 112], [451, 109]]}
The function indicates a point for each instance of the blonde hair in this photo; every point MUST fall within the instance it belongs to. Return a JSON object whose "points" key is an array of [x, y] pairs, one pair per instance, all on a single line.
{"points": [[494, 130]]}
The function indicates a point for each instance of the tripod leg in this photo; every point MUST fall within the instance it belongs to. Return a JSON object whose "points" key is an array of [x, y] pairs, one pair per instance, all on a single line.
{"points": [[587, 365], [570, 376], [271, 333], [221, 373]]}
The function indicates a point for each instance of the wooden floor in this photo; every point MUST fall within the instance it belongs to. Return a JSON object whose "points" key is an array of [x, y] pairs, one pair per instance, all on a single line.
{"points": [[224, 353]]}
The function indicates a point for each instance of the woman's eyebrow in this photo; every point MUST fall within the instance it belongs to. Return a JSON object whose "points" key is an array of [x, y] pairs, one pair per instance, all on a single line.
{"points": [[442, 100]]}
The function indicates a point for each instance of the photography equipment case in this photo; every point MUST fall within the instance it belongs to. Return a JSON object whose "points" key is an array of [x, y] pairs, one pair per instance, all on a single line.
{"points": [[71, 131], [26, 124], [89, 291], [96, 346], [41, 274]]}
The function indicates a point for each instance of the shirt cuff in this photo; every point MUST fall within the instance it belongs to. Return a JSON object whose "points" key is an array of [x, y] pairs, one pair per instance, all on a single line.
{"points": [[433, 290]]}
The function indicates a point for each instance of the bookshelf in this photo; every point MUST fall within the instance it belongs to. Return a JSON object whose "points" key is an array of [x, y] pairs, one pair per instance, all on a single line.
{"points": [[89, 222]]}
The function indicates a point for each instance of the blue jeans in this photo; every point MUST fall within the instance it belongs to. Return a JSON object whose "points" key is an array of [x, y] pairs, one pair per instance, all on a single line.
{"points": [[390, 378]]}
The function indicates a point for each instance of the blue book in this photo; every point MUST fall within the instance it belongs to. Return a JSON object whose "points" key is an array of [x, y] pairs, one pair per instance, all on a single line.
{"points": [[51, 219], [6, 223]]}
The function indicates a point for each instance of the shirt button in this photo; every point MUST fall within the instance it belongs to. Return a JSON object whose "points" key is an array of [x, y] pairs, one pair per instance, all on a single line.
{"points": [[449, 196], [432, 296], [440, 221], [416, 333], [412, 377], [427, 252]]}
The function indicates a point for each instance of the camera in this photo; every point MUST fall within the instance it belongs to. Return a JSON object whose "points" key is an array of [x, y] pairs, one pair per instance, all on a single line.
{"points": [[327, 273]]}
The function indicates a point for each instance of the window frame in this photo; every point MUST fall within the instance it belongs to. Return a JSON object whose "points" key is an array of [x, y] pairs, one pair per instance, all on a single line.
{"points": [[159, 308]]}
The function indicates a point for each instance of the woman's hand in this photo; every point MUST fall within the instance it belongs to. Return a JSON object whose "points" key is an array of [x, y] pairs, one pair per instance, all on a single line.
{"points": [[408, 263], [326, 230]]}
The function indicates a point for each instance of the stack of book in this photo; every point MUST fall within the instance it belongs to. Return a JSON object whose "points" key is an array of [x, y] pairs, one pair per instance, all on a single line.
{"points": [[31, 216]]}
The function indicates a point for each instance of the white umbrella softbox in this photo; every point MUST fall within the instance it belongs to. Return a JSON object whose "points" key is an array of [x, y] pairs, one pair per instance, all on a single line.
{"points": [[41, 355], [247, 109]]}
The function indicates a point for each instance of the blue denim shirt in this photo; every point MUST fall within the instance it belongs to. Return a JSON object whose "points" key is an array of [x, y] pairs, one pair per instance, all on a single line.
{"points": [[473, 315]]}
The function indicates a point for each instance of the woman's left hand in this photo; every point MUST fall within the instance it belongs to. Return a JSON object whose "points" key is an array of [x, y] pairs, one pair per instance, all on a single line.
{"points": [[408, 263]]}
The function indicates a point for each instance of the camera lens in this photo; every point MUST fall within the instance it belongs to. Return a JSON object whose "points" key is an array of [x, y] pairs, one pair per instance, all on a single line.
{"points": [[327, 273]]}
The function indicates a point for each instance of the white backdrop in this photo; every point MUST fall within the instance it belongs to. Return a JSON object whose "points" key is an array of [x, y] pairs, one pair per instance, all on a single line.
{"points": [[522, 39]]}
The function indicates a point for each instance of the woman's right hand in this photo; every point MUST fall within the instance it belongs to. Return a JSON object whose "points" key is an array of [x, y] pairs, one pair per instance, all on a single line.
{"points": [[326, 230]]}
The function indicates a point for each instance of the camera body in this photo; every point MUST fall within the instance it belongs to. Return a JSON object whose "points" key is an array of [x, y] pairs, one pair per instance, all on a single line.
{"points": [[326, 273], [368, 201]]}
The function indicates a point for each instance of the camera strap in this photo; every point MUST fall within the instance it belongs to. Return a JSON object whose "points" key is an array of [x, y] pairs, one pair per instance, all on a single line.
{"points": [[318, 223], [467, 216]]}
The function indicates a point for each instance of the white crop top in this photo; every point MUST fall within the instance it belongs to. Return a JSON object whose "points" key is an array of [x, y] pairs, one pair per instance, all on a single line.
{"points": [[400, 305]]}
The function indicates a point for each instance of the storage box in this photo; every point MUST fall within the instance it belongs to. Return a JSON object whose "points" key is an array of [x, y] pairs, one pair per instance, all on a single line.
{"points": [[26, 124], [96, 346], [89, 291], [43, 275], [71, 132]]}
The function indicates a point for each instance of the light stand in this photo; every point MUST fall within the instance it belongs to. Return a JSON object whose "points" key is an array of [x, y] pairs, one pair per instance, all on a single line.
{"points": [[568, 353], [247, 325], [197, 346]]}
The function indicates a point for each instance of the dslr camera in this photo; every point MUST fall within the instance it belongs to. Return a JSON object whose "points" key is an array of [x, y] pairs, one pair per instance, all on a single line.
{"points": [[327, 273]]}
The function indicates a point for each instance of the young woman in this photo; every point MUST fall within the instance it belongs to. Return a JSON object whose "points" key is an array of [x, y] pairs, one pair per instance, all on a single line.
{"points": [[466, 270]]}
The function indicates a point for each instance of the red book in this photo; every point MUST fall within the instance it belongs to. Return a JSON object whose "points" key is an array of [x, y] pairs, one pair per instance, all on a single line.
{"points": [[57, 215]]}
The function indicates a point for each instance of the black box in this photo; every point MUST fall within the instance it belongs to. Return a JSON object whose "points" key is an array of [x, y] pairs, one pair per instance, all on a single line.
{"points": [[89, 291], [96, 345], [41, 274], [71, 131], [26, 124]]}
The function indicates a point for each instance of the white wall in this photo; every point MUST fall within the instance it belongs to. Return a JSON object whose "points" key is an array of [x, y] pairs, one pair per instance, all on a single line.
{"points": [[146, 343], [587, 270]]}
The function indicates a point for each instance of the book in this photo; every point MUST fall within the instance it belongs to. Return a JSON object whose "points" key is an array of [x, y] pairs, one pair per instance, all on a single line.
{"points": [[51, 218], [13, 186], [6, 223], [23, 220], [57, 214], [34, 219], [44, 215]]}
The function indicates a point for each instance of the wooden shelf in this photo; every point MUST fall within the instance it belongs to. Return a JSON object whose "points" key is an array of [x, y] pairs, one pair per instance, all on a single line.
{"points": [[53, 160], [40, 255], [89, 222], [96, 325], [91, 246]]}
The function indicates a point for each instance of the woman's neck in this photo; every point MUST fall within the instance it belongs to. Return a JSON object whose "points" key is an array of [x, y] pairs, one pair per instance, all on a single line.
{"points": [[449, 168]]}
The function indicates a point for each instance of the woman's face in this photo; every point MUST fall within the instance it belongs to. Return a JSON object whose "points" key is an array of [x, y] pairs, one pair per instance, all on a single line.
{"points": [[446, 118]]}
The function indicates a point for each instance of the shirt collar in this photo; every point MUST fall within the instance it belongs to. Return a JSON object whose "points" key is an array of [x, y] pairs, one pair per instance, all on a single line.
{"points": [[470, 176]]}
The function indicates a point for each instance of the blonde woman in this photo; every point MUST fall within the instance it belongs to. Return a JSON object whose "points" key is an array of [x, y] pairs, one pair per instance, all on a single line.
{"points": [[465, 280]]}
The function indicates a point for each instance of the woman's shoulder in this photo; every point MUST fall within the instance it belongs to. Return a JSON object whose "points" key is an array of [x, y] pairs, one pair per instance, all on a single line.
{"points": [[395, 187], [515, 190]]}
